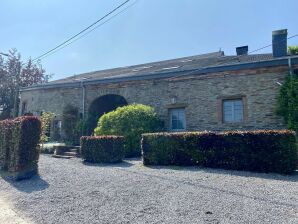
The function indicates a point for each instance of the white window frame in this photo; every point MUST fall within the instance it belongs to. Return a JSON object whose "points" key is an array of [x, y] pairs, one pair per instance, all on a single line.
{"points": [[179, 110], [232, 110]]}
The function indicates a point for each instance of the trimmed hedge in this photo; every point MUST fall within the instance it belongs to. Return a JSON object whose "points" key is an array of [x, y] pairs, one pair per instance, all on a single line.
{"points": [[130, 121], [19, 152], [261, 151], [102, 149]]}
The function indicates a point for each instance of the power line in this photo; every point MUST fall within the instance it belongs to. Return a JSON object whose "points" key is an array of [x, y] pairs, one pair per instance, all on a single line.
{"points": [[86, 33], [82, 31], [235, 57], [271, 44]]}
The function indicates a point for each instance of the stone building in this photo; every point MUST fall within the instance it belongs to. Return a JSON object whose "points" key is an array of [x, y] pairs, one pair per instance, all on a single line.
{"points": [[205, 92]]}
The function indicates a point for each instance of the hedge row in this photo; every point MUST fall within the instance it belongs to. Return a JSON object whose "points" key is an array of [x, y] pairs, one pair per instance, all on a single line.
{"points": [[130, 121], [102, 149], [19, 151], [262, 151]]}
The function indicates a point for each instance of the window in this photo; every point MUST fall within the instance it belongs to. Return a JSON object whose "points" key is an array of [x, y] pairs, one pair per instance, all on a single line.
{"points": [[24, 108], [57, 125], [177, 119], [233, 110]]}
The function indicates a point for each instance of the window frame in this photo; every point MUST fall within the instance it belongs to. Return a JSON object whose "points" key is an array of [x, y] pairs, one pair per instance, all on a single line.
{"points": [[24, 107], [224, 120], [171, 110], [220, 114]]}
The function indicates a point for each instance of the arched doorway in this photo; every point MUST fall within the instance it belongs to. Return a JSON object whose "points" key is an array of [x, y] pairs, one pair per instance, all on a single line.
{"points": [[100, 106]]}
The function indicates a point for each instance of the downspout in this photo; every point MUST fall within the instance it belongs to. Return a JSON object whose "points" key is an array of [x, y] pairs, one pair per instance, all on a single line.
{"points": [[83, 99], [290, 66]]}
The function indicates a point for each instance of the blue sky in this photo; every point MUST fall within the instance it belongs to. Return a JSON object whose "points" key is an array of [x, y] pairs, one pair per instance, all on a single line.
{"points": [[151, 30]]}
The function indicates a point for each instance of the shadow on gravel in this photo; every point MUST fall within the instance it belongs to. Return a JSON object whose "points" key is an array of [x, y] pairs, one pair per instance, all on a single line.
{"points": [[271, 176], [33, 184], [122, 164]]}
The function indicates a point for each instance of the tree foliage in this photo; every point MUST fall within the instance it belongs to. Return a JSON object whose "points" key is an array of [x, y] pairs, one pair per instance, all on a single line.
{"points": [[46, 119], [71, 125], [15, 74], [130, 121], [293, 50], [288, 102]]}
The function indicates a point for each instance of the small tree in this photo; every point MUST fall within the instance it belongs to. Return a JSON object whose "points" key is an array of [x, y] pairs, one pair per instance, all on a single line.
{"points": [[71, 125], [46, 119], [293, 50], [131, 122], [15, 74], [288, 102]]}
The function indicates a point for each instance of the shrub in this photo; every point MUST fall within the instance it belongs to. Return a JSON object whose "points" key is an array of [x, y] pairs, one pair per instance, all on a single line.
{"points": [[70, 125], [46, 119], [288, 102], [102, 149], [49, 148], [131, 122], [293, 50], [19, 151], [262, 151]]}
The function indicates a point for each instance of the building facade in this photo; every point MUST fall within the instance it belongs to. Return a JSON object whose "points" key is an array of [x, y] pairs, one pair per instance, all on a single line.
{"points": [[205, 92]]}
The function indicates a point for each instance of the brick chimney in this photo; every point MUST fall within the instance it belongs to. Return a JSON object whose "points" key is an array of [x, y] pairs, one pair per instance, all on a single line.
{"points": [[242, 50], [279, 43]]}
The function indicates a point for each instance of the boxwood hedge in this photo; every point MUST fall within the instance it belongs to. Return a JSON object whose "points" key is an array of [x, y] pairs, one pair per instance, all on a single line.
{"points": [[130, 121], [262, 151], [102, 149], [19, 151]]}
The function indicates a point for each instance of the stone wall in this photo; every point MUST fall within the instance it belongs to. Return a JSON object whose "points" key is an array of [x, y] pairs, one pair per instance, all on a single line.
{"points": [[201, 96]]}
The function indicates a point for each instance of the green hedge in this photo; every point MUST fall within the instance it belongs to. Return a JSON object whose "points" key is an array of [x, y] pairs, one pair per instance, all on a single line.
{"points": [[19, 151], [130, 121], [102, 149], [261, 151]]}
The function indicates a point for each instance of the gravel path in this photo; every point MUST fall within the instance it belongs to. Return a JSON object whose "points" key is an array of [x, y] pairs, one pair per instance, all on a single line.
{"points": [[8, 215], [69, 191]]}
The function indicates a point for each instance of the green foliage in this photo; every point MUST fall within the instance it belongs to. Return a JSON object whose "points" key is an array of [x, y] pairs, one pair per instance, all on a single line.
{"points": [[46, 119], [130, 121], [71, 125], [19, 151], [293, 50], [288, 102], [102, 149], [49, 148], [14, 74], [262, 151]]}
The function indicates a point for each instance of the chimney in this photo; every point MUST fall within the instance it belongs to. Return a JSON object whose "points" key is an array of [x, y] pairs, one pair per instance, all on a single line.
{"points": [[279, 43], [242, 50]]}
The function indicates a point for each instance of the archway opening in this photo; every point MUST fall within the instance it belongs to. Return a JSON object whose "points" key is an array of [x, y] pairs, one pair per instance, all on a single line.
{"points": [[100, 106]]}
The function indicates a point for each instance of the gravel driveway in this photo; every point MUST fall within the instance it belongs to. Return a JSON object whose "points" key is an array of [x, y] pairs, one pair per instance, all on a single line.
{"points": [[69, 191]]}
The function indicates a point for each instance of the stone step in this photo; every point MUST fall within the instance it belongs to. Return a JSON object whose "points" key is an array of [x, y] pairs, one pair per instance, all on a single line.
{"points": [[62, 156], [70, 154], [74, 150]]}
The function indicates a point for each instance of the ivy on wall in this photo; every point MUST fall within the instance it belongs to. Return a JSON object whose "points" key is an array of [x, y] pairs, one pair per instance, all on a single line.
{"points": [[71, 125]]}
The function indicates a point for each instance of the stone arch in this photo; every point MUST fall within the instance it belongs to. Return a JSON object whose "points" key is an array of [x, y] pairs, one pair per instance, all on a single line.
{"points": [[102, 105]]}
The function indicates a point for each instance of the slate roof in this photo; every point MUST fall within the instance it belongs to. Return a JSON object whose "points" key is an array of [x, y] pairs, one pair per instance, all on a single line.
{"points": [[194, 65], [174, 65]]}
